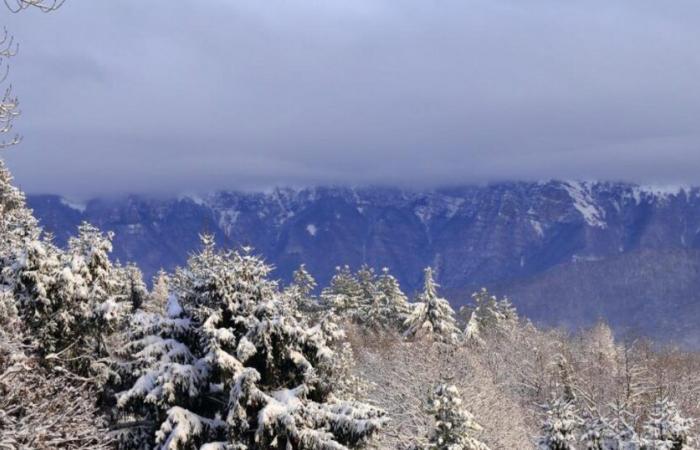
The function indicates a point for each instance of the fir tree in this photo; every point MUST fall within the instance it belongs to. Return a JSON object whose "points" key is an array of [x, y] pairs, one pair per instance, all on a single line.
{"points": [[344, 293], [157, 299], [622, 435], [558, 430], [454, 424], [235, 369], [135, 290], [488, 315], [432, 316], [299, 294], [387, 307], [596, 432], [666, 429]]}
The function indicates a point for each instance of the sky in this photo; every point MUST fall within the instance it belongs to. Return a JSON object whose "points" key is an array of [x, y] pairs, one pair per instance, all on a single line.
{"points": [[196, 95]]}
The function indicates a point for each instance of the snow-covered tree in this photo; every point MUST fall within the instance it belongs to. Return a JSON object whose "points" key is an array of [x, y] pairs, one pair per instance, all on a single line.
{"points": [[454, 424], [133, 287], [666, 429], [432, 316], [299, 295], [386, 306], [488, 315], [596, 432], [157, 299], [231, 368], [622, 435], [559, 427], [343, 294]]}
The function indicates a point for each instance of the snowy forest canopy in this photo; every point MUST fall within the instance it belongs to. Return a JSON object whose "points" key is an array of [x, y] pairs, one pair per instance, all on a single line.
{"points": [[218, 355]]}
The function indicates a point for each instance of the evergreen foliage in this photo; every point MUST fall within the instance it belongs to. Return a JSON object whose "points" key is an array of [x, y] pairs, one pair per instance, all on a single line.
{"points": [[431, 316], [235, 367], [454, 424]]}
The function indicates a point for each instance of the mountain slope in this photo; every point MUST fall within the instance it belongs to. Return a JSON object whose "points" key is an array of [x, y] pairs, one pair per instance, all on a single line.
{"points": [[537, 241]]}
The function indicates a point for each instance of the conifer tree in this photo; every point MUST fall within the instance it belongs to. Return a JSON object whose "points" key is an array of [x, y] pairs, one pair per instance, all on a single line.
{"points": [[157, 299], [488, 315], [559, 427], [666, 429], [135, 290], [454, 424], [387, 307], [622, 435], [432, 316], [234, 369], [299, 295], [596, 432], [344, 293]]}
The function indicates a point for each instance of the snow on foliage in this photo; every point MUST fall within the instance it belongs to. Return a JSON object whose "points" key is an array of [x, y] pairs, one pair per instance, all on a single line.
{"points": [[375, 302], [560, 426], [454, 424], [666, 429], [431, 316], [488, 315], [237, 367]]}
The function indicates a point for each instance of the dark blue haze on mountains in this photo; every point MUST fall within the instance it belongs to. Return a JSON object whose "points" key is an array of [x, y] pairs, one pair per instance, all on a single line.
{"points": [[566, 253]]}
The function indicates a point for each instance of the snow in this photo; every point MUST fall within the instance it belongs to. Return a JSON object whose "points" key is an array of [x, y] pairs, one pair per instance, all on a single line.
{"points": [[72, 204], [585, 204], [194, 198], [173, 308], [453, 204], [537, 227], [659, 192], [311, 229]]}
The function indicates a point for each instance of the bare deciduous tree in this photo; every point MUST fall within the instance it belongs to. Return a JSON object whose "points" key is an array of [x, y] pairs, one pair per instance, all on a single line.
{"points": [[42, 5]]}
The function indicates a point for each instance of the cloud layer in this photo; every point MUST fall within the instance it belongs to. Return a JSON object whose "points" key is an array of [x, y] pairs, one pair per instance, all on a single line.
{"points": [[163, 96]]}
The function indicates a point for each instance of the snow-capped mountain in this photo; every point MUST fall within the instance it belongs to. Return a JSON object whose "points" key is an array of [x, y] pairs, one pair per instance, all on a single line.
{"points": [[565, 252]]}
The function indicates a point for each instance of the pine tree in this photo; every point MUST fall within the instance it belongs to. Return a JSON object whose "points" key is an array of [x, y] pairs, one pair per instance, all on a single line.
{"points": [[235, 369], [432, 316], [454, 424], [666, 429], [558, 430]]}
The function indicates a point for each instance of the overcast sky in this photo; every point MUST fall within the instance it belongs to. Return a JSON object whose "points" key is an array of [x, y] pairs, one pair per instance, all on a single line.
{"points": [[191, 95]]}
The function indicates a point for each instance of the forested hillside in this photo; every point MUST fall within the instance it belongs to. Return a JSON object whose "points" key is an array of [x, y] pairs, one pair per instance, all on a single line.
{"points": [[217, 355], [529, 241]]}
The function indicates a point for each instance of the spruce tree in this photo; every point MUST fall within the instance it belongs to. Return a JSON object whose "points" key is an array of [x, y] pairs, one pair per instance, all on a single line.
{"points": [[622, 435], [559, 427], [157, 299], [454, 424], [488, 315], [344, 294], [387, 308], [666, 429], [299, 295], [234, 369], [432, 316]]}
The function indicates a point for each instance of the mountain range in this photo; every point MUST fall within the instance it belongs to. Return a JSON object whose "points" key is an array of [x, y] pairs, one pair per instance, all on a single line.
{"points": [[566, 253]]}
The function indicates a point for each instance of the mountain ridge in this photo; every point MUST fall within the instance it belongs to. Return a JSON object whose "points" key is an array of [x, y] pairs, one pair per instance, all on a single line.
{"points": [[506, 236]]}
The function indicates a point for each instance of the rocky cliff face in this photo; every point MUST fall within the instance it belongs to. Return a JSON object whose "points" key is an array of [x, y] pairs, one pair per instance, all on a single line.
{"points": [[566, 252]]}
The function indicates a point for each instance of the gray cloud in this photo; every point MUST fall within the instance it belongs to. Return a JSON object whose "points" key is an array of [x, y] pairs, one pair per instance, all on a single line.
{"points": [[203, 94]]}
